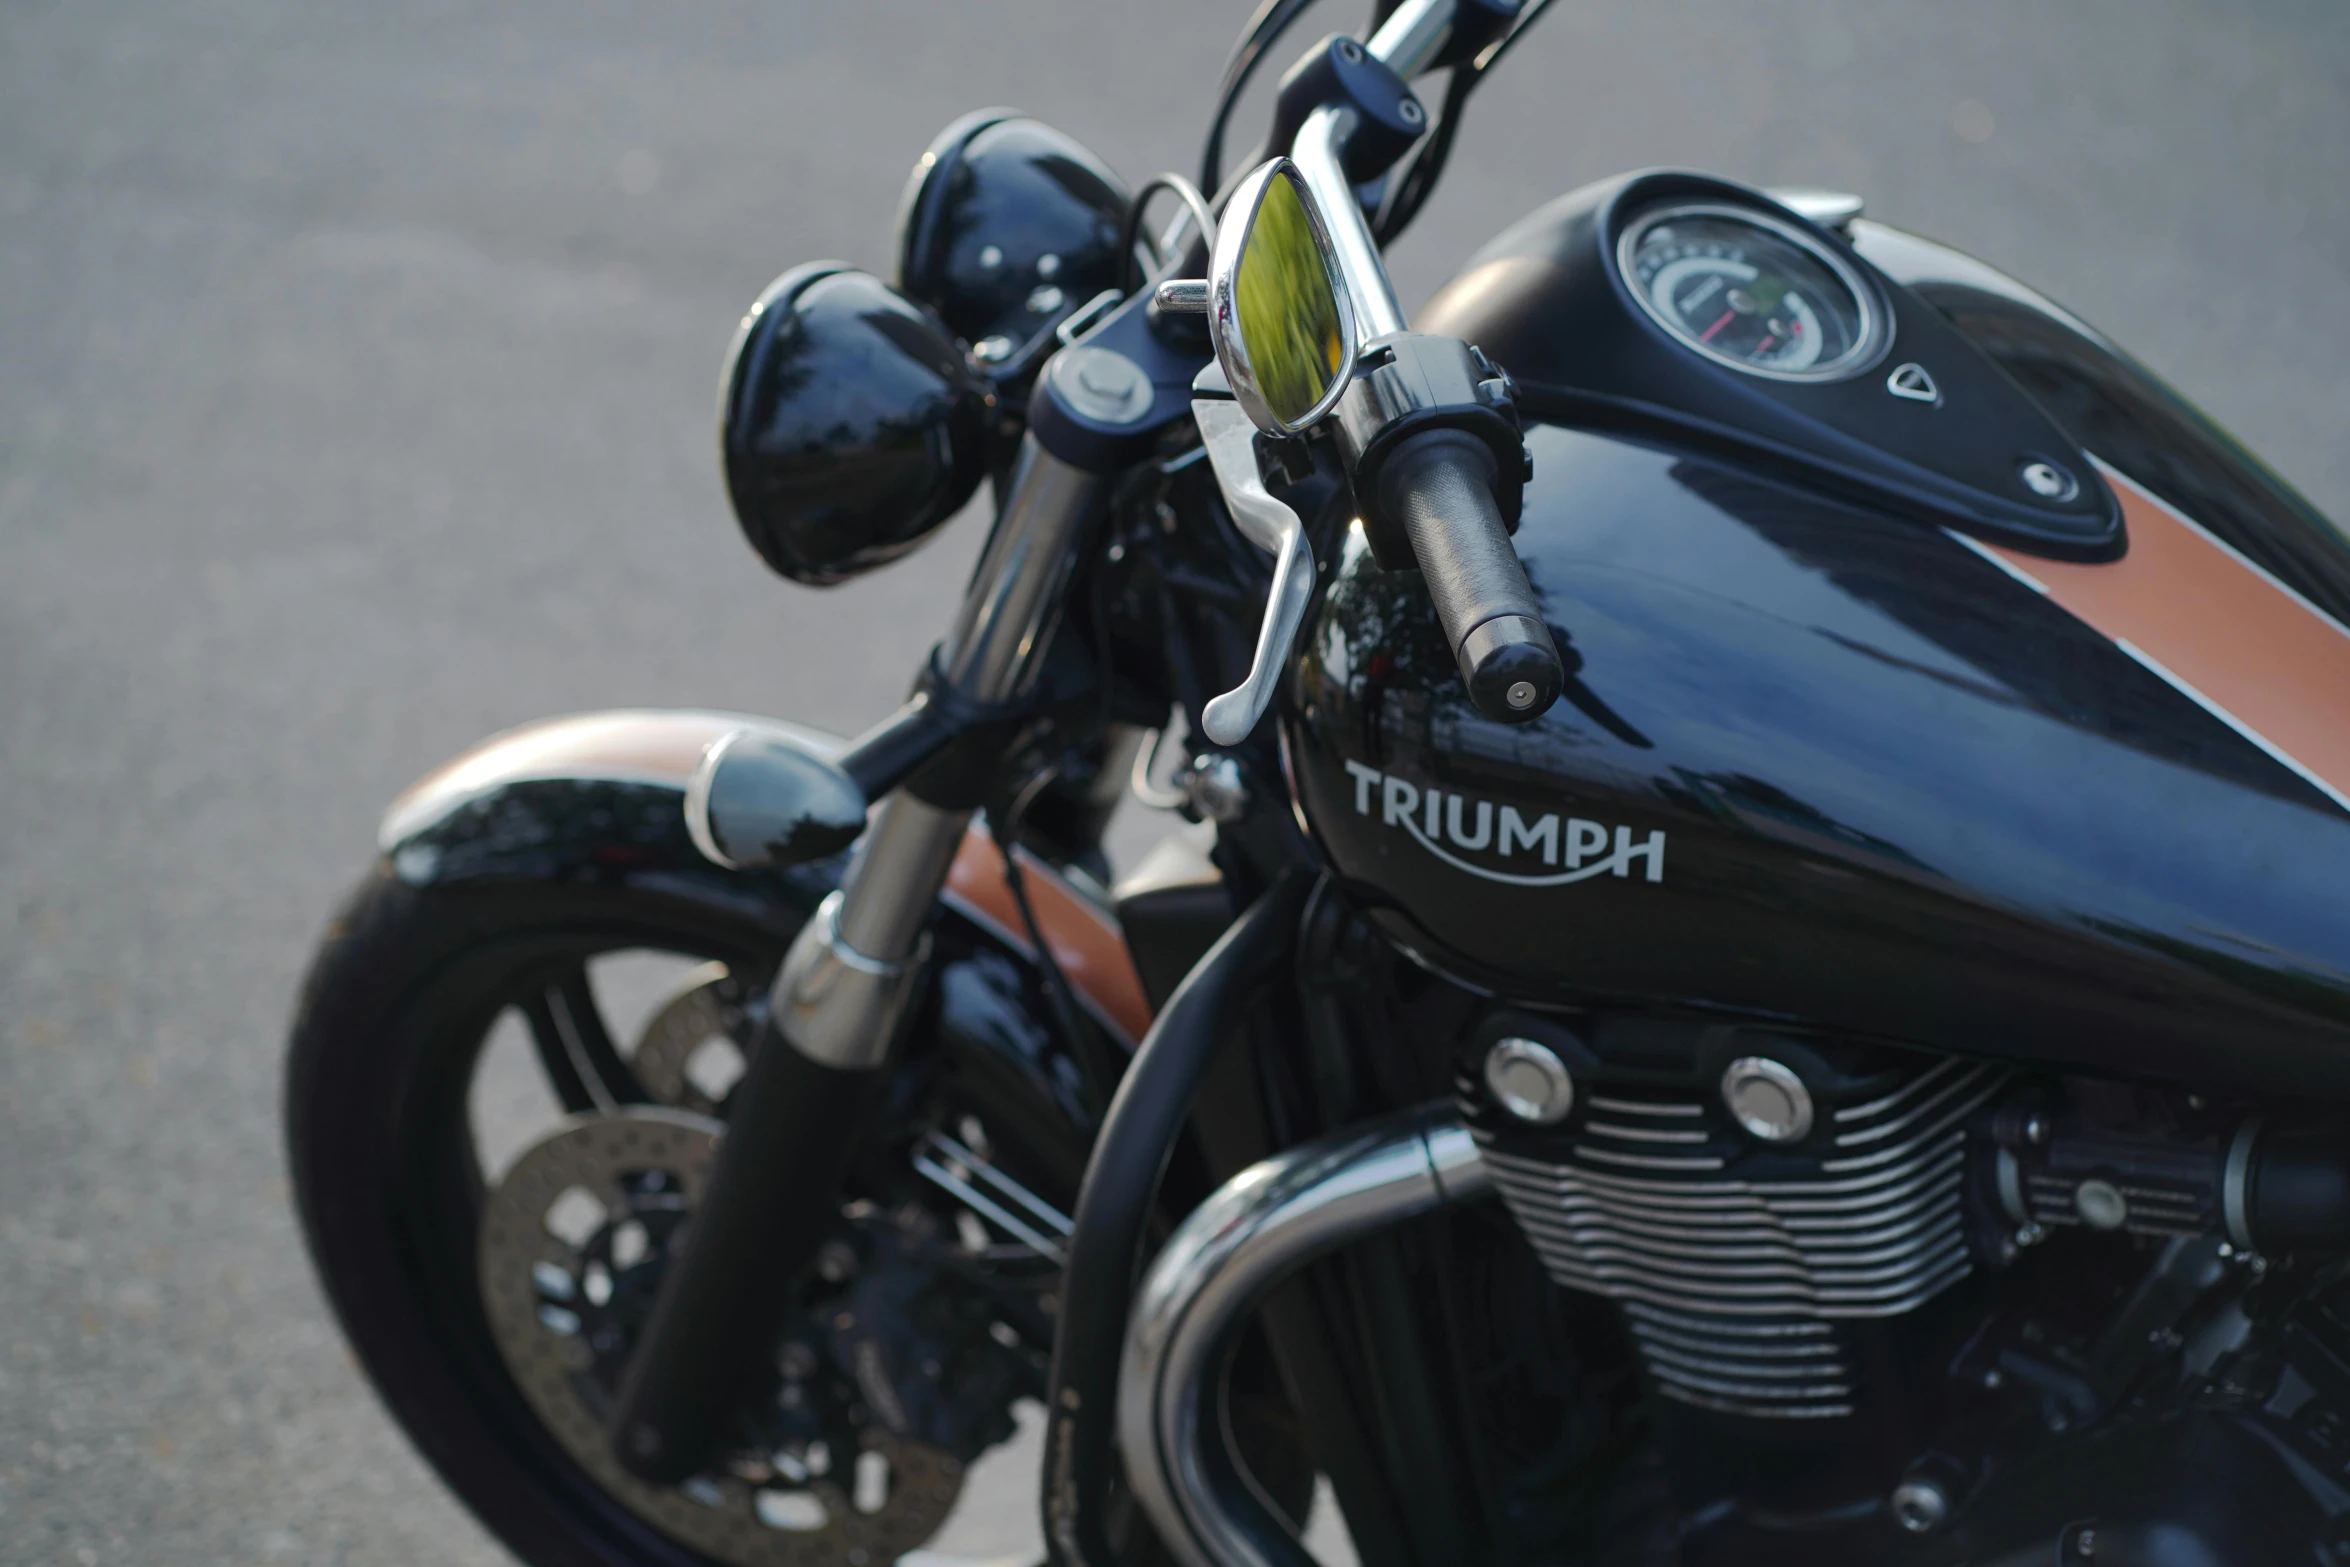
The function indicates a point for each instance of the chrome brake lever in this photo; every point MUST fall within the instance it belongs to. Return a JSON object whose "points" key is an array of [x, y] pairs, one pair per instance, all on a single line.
{"points": [[1231, 444]]}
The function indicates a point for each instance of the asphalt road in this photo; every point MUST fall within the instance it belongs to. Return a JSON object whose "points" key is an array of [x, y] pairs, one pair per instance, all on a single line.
{"points": [[356, 366]]}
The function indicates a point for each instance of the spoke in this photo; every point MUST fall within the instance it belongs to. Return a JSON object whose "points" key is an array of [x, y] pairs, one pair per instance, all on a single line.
{"points": [[554, 1054], [576, 1003], [575, 1048]]}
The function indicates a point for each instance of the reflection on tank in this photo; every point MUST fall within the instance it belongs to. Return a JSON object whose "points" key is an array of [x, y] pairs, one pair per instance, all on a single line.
{"points": [[1900, 793]]}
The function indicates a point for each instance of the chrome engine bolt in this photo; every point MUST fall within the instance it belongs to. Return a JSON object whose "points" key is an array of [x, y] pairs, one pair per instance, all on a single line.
{"points": [[2101, 1205], [1530, 1081], [1216, 788], [1920, 1505], [1768, 1099]]}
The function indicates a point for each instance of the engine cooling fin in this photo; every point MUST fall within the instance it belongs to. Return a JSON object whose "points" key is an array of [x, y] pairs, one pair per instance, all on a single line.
{"points": [[1734, 1262]]}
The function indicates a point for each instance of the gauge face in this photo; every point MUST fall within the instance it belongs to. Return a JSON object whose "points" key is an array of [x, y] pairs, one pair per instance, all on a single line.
{"points": [[1744, 289]]}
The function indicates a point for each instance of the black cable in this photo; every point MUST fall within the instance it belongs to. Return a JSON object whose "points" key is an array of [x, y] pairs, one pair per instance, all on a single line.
{"points": [[1491, 54], [1130, 231], [1115, 1206], [1408, 188], [1264, 30], [1099, 1079], [1097, 614], [1411, 186]]}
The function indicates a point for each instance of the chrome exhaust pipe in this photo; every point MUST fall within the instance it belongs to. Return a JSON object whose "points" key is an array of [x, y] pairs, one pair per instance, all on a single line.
{"points": [[1220, 1264]]}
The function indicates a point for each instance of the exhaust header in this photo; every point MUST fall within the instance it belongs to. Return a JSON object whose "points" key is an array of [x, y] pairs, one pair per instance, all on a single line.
{"points": [[1220, 1264]]}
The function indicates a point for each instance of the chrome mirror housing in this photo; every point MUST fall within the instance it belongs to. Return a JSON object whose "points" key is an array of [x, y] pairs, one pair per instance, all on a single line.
{"points": [[1279, 311], [1283, 323]]}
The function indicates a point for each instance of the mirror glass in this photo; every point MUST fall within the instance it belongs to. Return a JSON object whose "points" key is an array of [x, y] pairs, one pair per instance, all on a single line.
{"points": [[1286, 331]]}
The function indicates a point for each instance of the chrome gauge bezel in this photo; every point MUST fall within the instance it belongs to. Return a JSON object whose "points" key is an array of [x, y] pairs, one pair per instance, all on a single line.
{"points": [[1869, 344]]}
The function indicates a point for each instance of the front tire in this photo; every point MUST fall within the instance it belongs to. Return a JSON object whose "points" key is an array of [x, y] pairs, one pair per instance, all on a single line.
{"points": [[392, 1167], [390, 1181]]}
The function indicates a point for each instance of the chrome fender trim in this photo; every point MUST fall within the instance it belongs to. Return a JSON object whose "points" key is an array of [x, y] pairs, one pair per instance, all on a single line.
{"points": [[1220, 1264]]}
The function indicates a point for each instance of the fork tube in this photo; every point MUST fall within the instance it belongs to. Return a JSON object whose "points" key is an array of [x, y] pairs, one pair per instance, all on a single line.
{"points": [[797, 1114], [1015, 596], [841, 988]]}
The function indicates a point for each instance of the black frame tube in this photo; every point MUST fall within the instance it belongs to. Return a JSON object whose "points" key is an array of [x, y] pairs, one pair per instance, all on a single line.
{"points": [[1114, 1208]]}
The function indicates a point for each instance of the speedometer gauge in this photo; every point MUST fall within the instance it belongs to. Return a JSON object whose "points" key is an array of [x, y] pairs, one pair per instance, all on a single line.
{"points": [[1752, 292]]}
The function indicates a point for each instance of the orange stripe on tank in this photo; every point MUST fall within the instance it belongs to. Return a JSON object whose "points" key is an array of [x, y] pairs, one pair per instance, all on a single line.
{"points": [[2250, 649], [1084, 938]]}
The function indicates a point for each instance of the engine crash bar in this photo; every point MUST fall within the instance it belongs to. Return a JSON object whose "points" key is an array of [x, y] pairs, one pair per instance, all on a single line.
{"points": [[1219, 1266]]}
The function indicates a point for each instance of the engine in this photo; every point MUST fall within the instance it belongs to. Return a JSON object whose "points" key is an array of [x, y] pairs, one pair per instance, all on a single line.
{"points": [[1737, 1251], [1889, 1301]]}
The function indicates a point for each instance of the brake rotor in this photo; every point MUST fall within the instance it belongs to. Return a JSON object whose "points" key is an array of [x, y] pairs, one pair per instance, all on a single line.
{"points": [[697, 1043], [573, 1240]]}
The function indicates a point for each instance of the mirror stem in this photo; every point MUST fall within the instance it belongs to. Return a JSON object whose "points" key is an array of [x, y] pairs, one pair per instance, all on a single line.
{"points": [[1182, 296]]}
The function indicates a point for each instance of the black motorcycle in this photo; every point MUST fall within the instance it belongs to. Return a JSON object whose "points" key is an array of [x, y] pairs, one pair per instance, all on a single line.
{"points": [[1764, 976]]}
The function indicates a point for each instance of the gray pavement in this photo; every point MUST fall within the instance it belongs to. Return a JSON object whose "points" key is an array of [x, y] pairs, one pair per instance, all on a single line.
{"points": [[356, 366]]}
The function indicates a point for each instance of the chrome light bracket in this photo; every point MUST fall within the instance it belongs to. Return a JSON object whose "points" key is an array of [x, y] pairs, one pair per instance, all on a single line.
{"points": [[835, 1004]]}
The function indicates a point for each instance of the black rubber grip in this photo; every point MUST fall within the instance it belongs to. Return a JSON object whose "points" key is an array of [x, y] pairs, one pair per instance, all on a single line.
{"points": [[1440, 487]]}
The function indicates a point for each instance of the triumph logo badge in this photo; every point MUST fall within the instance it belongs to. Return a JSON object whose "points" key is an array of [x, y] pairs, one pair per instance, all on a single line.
{"points": [[1548, 850]]}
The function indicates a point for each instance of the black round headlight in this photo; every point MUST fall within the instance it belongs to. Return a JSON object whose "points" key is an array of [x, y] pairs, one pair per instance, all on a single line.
{"points": [[850, 426], [1006, 226]]}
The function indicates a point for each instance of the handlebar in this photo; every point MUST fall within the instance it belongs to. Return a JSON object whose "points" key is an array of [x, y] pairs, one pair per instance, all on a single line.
{"points": [[1439, 485], [1410, 38], [1408, 442]]}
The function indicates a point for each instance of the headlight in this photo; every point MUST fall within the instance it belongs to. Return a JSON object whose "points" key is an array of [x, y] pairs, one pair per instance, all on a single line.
{"points": [[1006, 226], [850, 424]]}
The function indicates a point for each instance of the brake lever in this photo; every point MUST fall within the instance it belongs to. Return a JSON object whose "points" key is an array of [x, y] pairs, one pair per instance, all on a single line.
{"points": [[1269, 524]]}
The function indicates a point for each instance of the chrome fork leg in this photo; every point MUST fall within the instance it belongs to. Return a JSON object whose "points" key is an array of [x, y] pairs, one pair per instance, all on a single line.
{"points": [[850, 971], [799, 1110], [848, 976]]}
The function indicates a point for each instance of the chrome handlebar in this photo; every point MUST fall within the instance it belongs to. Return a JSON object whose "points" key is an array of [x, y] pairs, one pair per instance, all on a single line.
{"points": [[1321, 141], [1442, 497], [1412, 37]]}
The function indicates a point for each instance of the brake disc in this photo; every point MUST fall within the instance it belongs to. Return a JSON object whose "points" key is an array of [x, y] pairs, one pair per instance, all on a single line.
{"points": [[694, 1047], [573, 1239]]}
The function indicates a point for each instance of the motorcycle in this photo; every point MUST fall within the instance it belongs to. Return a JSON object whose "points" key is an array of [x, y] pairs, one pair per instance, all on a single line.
{"points": [[1760, 976]]}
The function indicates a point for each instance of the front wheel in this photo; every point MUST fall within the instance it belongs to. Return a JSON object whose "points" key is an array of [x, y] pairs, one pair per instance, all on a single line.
{"points": [[500, 1107]]}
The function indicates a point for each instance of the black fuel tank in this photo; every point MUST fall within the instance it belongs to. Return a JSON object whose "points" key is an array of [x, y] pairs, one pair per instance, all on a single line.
{"points": [[1841, 765]]}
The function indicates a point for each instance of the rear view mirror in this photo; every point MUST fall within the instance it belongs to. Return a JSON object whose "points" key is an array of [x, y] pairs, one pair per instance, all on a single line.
{"points": [[1278, 308]]}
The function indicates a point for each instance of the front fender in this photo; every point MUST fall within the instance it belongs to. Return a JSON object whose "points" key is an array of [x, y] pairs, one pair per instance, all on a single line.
{"points": [[598, 798], [592, 797]]}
